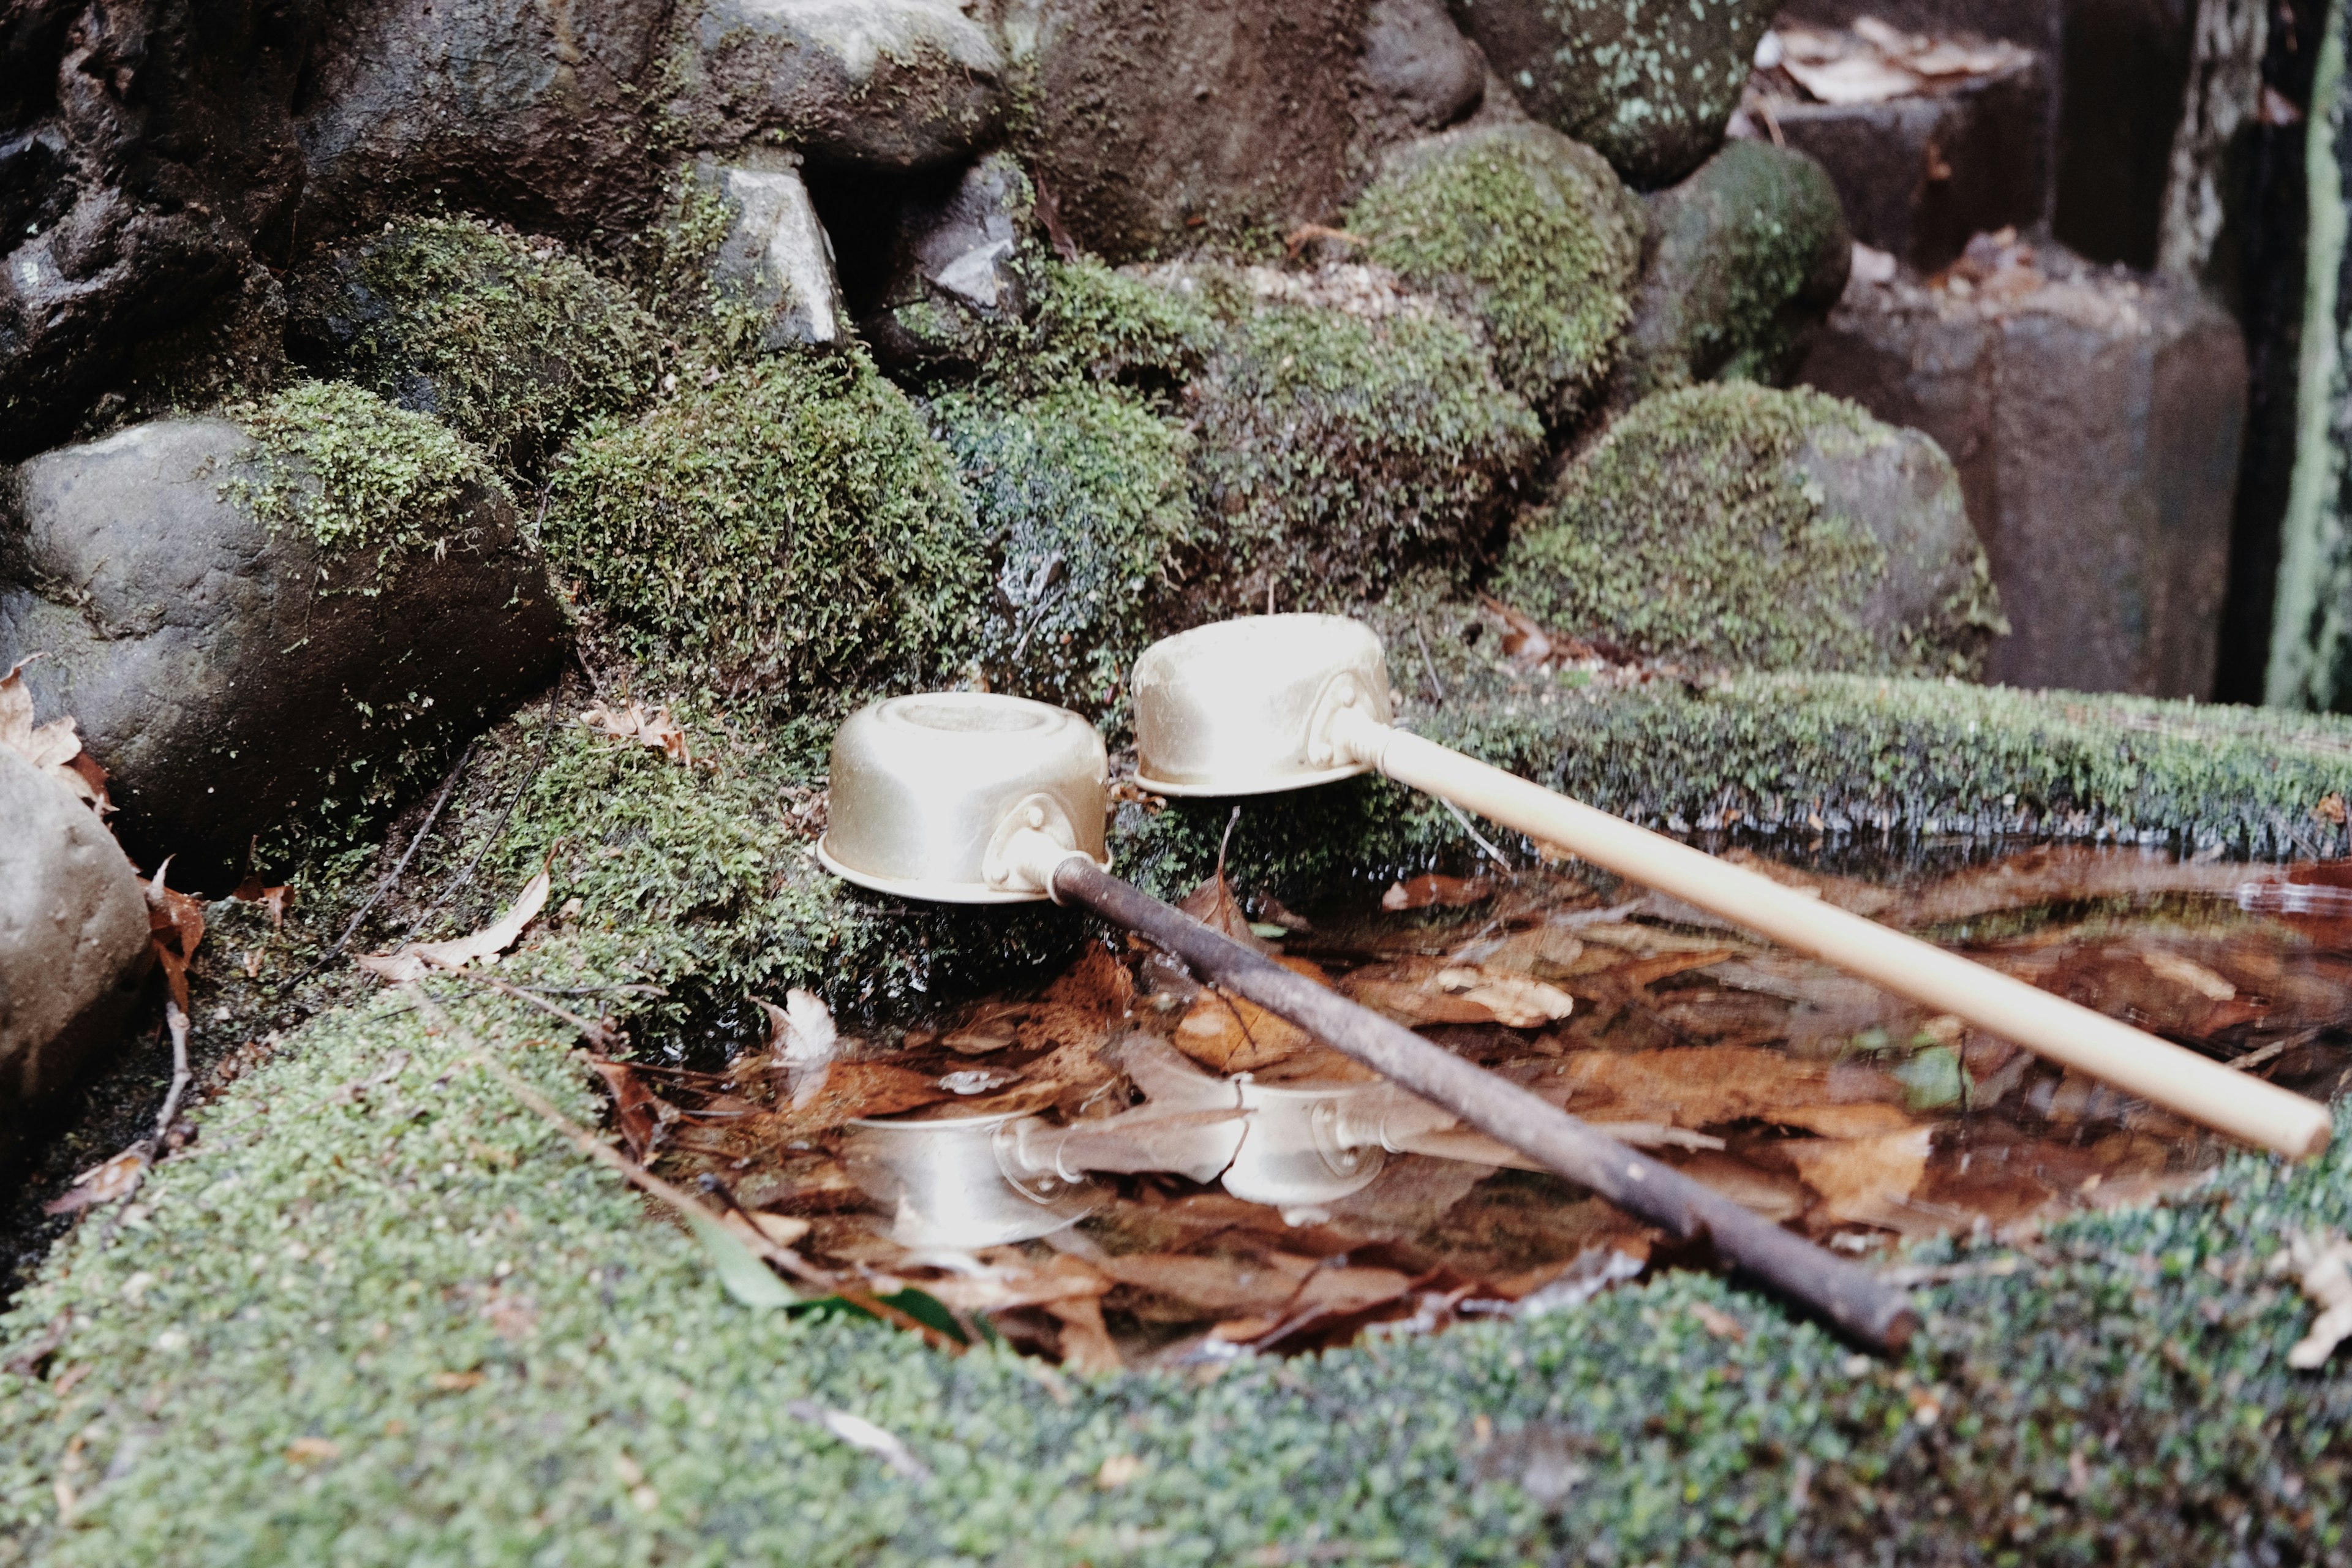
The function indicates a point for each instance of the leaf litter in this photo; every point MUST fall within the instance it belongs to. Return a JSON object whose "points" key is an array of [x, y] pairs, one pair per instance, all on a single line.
{"points": [[1851, 1116]]}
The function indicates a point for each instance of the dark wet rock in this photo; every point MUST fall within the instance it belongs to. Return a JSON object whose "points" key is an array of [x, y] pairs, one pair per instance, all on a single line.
{"points": [[73, 942], [1525, 232], [1650, 83], [956, 271], [1744, 260], [1161, 127], [1733, 524], [245, 620], [885, 84], [1919, 176], [775, 268], [2095, 421], [508, 341]]}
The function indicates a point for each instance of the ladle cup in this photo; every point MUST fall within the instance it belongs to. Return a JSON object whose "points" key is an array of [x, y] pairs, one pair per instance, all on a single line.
{"points": [[1280, 702], [978, 798]]}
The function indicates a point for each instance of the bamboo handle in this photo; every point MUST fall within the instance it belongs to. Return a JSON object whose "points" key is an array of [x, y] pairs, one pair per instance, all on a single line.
{"points": [[1849, 1296], [2138, 1063]]}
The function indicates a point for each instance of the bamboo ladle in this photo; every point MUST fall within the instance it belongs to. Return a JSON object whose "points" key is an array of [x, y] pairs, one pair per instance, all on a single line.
{"points": [[1280, 702], [969, 797]]}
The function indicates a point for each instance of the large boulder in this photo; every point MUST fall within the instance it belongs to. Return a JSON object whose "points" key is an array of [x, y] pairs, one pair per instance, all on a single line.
{"points": [[508, 341], [250, 619], [1350, 433], [73, 939], [889, 84], [1650, 83], [773, 279], [783, 528], [1525, 231], [1734, 525], [1159, 127], [1746, 257]]}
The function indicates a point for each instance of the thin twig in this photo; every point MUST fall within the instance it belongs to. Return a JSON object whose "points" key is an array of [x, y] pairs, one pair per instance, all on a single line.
{"points": [[600, 1036], [677, 1197], [178, 1023], [387, 881], [1428, 665], [1463, 817]]}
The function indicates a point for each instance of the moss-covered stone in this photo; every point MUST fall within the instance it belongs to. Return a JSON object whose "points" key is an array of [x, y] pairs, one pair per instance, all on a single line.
{"points": [[507, 340], [1774, 529], [1746, 257], [784, 529], [1650, 83], [1083, 503], [1526, 231], [1349, 433], [358, 474]]}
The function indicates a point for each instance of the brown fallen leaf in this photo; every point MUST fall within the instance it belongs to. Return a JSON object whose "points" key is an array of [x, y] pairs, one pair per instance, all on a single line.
{"points": [[313, 1450], [415, 960], [1864, 1180], [1087, 1344], [101, 1183], [1431, 889], [1214, 905], [1718, 1322], [454, 1381], [633, 1106], [1231, 1035], [54, 748], [1214, 1284], [2323, 1265], [652, 728], [175, 924], [854, 1089], [1413, 1003], [1513, 1000], [783, 1229], [273, 901], [1013, 1281], [2188, 971]]}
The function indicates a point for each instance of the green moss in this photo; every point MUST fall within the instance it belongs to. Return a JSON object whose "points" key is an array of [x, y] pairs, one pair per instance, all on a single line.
{"points": [[1082, 501], [1339, 451], [359, 475], [786, 528], [1701, 526], [509, 341], [1528, 232], [1750, 252], [670, 268], [1087, 321]]}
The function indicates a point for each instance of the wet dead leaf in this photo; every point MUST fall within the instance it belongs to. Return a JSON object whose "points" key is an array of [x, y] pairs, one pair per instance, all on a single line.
{"points": [[1513, 1000], [1718, 1322], [273, 901], [175, 925], [1432, 890], [54, 748], [101, 1183], [1864, 1180], [415, 960], [802, 1039], [1231, 1035], [634, 1107], [652, 728], [756, 1224], [2189, 973], [854, 1089], [1214, 1284], [1214, 905]]}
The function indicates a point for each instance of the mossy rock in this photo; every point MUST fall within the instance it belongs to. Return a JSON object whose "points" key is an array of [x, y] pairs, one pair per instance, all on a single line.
{"points": [[509, 341], [1734, 525], [1349, 433], [1746, 259], [1083, 503], [1528, 233], [1650, 83], [784, 529]]}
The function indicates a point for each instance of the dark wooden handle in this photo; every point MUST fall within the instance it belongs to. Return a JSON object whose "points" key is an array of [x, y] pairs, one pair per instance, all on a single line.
{"points": [[1846, 1295]]}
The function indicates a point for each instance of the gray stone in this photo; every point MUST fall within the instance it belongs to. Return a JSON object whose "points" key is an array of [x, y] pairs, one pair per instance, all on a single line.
{"points": [[894, 84], [2094, 420], [1650, 83], [1919, 175], [777, 257], [73, 941], [1162, 127], [955, 271], [225, 672], [1743, 261]]}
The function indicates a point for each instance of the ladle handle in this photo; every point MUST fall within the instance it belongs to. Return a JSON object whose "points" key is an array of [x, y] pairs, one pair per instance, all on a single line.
{"points": [[1850, 1297], [2138, 1063]]}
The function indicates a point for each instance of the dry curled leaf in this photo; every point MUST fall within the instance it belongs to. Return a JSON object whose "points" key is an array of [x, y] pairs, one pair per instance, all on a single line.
{"points": [[415, 960], [55, 748], [273, 901], [175, 924], [1513, 1000], [653, 728], [803, 1039]]}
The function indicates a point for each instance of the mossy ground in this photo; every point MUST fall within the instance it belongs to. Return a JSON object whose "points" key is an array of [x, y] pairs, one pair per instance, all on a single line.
{"points": [[1529, 233], [357, 473], [510, 342], [784, 532], [1689, 530]]}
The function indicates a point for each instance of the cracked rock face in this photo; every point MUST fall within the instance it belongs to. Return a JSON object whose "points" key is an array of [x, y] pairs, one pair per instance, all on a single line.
{"points": [[73, 941], [225, 671], [777, 259]]}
